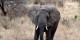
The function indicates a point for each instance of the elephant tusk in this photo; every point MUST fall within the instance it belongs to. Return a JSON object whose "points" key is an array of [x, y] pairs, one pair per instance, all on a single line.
{"points": [[47, 14], [36, 27], [46, 28]]}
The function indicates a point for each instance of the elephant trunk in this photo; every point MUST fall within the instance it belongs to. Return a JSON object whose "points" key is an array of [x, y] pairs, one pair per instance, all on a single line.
{"points": [[41, 30]]}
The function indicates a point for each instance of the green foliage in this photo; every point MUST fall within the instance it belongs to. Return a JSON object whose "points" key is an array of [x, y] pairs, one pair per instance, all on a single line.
{"points": [[36, 1], [75, 17], [77, 0]]}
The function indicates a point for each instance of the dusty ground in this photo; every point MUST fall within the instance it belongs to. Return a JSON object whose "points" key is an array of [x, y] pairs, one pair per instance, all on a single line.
{"points": [[21, 28]]}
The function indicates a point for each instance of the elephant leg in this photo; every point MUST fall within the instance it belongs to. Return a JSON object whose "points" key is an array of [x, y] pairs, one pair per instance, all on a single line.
{"points": [[36, 35], [53, 30], [52, 34], [48, 34]]}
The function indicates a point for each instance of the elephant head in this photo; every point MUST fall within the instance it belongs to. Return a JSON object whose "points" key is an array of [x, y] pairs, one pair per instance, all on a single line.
{"points": [[42, 19]]}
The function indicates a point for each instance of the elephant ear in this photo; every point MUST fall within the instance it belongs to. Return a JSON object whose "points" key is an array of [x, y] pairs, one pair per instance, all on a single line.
{"points": [[32, 12]]}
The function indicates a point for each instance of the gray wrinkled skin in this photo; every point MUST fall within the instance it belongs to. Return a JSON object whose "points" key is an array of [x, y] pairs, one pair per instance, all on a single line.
{"points": [[33, 11], [54, 14], [42, 16]]}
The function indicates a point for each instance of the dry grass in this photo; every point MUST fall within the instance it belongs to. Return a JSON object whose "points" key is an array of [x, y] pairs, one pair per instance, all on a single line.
{"points": [[21, 28], [69, 26], [18, 28]]}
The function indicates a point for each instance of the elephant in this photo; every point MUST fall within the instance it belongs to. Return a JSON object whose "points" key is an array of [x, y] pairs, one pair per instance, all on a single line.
{"points": [[46, 19]]}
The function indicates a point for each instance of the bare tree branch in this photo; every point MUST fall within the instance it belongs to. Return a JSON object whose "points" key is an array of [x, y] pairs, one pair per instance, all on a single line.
{"points": [[2, 7]]}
